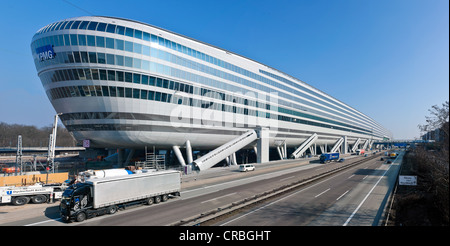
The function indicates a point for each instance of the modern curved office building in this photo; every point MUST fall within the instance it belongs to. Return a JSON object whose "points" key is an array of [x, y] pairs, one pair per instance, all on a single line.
{"points": [[125, 84]]}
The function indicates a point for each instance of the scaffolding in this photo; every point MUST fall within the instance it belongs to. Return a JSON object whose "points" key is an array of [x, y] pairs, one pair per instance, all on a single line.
{"points": [[152, 161]]}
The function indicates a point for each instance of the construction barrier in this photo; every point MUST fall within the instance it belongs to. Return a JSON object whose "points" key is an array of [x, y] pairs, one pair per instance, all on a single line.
{"points": [[30, 179]]}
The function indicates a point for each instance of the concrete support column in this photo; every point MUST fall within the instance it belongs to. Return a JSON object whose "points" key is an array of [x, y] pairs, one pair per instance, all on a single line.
{"points": [[263, 145], [189, 152], [345, 145], [177, 151]]}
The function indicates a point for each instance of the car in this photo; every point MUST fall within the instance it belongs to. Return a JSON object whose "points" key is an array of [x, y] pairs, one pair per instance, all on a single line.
{"points": [[246, 167]]}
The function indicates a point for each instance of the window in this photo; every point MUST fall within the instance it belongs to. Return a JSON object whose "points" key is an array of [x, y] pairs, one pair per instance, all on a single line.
{"points": [[75, 25], [83, 25], [136, 78], [110, 59], [128, 92], [68, 25], [128, 32], [110, 43], [100, 41], [101, 27], [128, 77], [144, 80], [105, 91], [102, 74], [143, 94], [111, 75], [90, 40], [112, 91], [119, 76], [136, 93], [119, 44], [120, 30], [146, 36], [137, 48], [92, 25], [138, 34], [120, 92], [73, 39], [128, 46], [101, 58], [92, 57], [111, 28], [128, 61], [119, 60], [82, 40]]}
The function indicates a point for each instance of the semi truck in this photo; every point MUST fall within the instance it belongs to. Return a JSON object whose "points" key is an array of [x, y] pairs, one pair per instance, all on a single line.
{"points": [[37, 193], [327, 157], [98, 196]]}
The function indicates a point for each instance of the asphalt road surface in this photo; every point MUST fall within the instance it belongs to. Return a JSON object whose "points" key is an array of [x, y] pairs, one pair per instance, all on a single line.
{"points": [[317, 204]]}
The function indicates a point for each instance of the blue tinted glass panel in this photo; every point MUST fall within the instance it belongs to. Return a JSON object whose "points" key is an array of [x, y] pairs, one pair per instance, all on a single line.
{"points": [[138, 34], [101, 27], [120, 30], [82, 40], [100, 41], [91, 40], [68, 25], [111, 28], [110, 43], [128, 61], [66, 40], [110, 59], [92, 25], [146, 36], [137, 48], [128, 46], [83, 25], [62, 25], [119, 44], [75, 25], [129, 32], [119, 60], [136, 78], [101, 58], [154, 38], [73, 39], [57, 26]]}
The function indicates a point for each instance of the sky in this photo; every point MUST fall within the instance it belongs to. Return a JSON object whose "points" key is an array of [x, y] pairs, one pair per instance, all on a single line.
{"points": [[388, 59]]}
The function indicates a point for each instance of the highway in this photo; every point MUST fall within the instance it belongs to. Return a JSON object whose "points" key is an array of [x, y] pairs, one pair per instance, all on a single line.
{"points": [[352, 197], [320, 203]]}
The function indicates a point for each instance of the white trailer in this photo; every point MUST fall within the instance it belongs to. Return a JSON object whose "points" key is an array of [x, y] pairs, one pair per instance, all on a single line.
{"points": [[98, 196]]}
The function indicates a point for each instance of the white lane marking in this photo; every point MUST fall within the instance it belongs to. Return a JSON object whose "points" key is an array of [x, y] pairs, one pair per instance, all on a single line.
{"points": [[365, 198], [351, 176], [45, 221], [287, 178], [342, 195], [322, 192], [219, 197]]}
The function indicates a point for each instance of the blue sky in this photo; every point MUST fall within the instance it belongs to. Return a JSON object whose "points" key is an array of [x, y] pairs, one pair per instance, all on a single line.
{"points": [[387, 58]]}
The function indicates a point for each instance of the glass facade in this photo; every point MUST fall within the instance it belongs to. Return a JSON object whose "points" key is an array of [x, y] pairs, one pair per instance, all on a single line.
{"points": [[125, 48]]}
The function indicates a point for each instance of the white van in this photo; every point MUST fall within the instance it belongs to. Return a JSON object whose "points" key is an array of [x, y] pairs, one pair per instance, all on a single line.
{"points": [[246, 167]]}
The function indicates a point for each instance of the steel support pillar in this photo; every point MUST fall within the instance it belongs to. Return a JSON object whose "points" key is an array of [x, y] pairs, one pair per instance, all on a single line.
{"points": [[262, 145]]}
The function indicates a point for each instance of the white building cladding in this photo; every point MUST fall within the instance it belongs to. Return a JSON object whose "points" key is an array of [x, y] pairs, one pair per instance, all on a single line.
{"points": [[122, 83]]}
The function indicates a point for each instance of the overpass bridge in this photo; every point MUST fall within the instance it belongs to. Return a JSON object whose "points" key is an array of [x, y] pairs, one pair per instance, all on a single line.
{"points": [[40, 149]]}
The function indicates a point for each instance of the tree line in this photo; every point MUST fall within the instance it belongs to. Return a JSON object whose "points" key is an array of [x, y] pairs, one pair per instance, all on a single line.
{"points": [[33, 136]]}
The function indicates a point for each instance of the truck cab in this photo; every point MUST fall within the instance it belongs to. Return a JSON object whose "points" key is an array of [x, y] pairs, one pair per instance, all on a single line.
{"points": [[75, 202]]}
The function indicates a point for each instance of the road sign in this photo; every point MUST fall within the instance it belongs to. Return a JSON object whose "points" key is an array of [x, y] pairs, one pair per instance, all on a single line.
{"points": [[407, 180]]}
